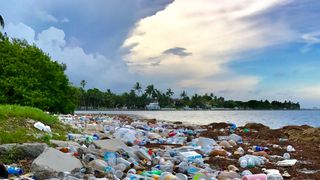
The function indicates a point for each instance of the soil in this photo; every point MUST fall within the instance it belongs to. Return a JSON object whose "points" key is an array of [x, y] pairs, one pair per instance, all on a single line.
{"points": [[305, 140]]}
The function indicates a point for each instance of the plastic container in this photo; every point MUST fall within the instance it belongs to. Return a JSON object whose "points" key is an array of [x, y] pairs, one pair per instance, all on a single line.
{"points": [[275, 176], [290, 148], [110, 158], [255, 177], [183, 167], [246, 172], [14, 170], [286, 156], [240, 150], [243, 163], [258, 148]]}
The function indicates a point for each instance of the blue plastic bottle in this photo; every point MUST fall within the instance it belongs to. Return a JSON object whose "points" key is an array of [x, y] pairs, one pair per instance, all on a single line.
{"points": [[14, 170]]}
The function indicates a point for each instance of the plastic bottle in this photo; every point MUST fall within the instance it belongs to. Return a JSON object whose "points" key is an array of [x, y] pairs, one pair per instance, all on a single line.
{"points": [[118, 174], [240, 150], [123, 161], [14, 170], [132, 171], [193, 170], [110, 157], [181, 176], [243, 163], [290, 148], [246, 172], [183, 167], [251, 162], [275, 176], [286, 156], [258, 148]]}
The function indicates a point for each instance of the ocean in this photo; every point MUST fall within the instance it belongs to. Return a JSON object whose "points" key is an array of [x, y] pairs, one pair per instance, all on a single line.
{"points": [[271, 118]]}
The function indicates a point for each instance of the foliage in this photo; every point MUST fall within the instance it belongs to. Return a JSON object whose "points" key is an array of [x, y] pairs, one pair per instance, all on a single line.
{"points": [[135, 99], [17, 125], [29, 77]]}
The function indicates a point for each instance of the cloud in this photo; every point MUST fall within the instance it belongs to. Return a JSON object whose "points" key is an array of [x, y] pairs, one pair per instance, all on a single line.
{"points": [[20, 31], [44, 16], [178, 51], [95, 68], [310, 39], [215, 32]]}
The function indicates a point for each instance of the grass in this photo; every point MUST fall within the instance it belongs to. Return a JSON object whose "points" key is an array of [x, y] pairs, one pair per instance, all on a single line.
{"points": [[16, 125]]}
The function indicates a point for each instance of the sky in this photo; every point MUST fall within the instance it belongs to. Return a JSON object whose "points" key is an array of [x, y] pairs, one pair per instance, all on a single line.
{"points": [[238, 49]]}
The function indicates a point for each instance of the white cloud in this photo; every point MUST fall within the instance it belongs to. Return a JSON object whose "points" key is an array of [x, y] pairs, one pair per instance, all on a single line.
{"points": [[65, 20], [213, 32], [44, 16], [20, 31], [310, 39], [95, 68]]}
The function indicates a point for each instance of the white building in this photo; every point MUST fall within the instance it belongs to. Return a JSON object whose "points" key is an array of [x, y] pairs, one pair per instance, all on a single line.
{"points": [[153, 106]]}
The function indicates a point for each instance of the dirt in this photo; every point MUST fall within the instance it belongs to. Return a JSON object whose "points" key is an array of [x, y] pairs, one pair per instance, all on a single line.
{"points": [[305, 140]]}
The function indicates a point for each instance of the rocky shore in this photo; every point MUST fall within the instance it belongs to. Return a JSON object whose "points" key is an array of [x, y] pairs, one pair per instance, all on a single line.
{"points": [[123, 147]]}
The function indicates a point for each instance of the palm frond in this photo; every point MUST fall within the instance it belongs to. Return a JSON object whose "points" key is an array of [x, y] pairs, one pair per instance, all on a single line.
{"points": [[1, 22]]}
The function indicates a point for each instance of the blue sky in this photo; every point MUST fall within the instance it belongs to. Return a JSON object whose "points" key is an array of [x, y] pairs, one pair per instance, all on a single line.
{"points": [[248, 49]]}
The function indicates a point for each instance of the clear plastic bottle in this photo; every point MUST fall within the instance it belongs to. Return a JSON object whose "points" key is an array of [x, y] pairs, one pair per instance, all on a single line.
{"points": [[243, 163], [286, 156]]}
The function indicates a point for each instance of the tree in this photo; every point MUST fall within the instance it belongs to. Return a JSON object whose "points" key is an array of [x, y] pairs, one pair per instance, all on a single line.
{"points": [[1, 21], [149, 90], [169, 92], [29, 77], [83, 83], [137, 87]]}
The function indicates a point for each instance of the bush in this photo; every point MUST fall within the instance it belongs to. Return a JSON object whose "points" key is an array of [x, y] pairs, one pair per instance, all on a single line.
{"points": [[29, 77]]}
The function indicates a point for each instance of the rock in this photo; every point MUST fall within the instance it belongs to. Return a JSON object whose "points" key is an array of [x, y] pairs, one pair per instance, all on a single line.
{"points": [[151, 121], [218, 152], [31, 150], [51, 162], [256, 126], [3, 171], [111, 145], [225, 144], [219, 125], [225, 175], [98, 164], [93, 128], [64, 143]]}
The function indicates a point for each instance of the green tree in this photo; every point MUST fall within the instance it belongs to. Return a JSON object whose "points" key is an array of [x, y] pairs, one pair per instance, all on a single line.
{"points": [[29, 77], [137, 87], [83, 83], [149, 90], [1, 21], [169, 92]]}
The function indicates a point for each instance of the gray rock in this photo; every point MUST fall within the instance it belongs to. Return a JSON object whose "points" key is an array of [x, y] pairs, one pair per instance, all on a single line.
{"points": [[51, 162], [64, 143], [30, 150], [110, 145]]}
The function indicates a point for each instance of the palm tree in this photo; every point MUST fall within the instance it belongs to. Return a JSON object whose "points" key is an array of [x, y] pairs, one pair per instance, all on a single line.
{"points": [[169, 92], [1, 21], [183, 94], [83, 83], [137, 87], [149, 90]]}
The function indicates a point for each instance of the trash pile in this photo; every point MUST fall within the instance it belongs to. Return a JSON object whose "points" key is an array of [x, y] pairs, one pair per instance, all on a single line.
{"points": [[124, 148]]}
